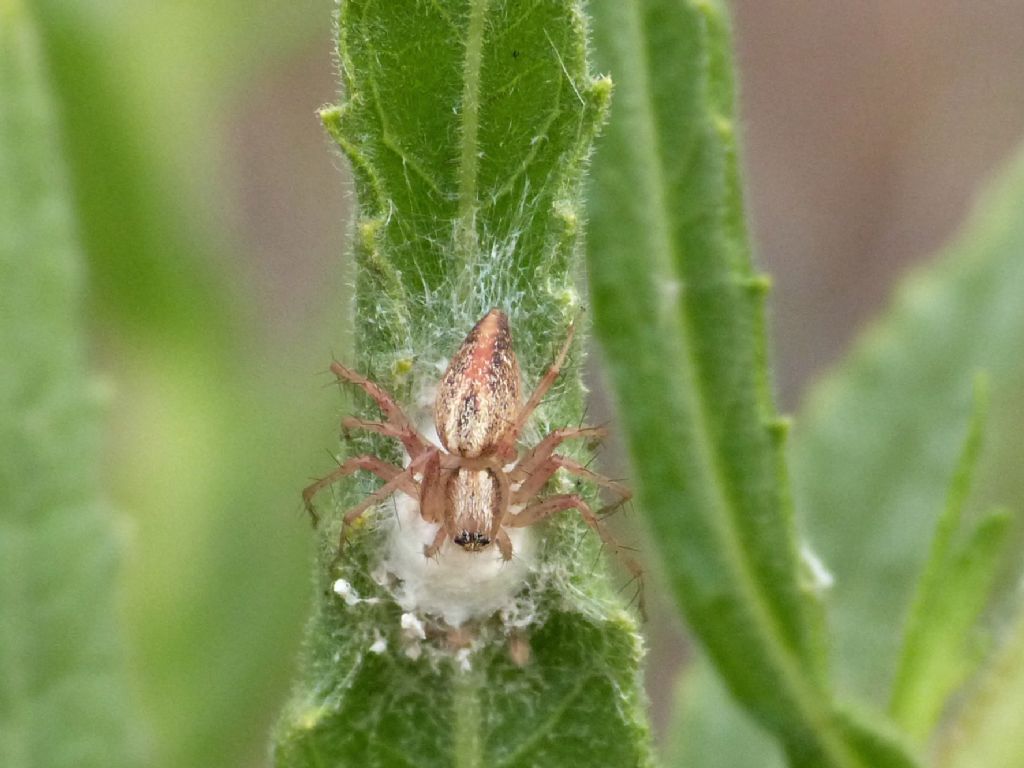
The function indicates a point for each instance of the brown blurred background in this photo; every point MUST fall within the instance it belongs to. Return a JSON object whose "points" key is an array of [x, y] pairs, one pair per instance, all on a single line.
{"points": [[869, 126]]}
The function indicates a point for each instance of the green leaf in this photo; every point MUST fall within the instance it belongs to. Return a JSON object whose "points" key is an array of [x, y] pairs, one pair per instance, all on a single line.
{"points": [[954, 589], [467, 123], [63, 697], [678, 308], [879, 438], [387, 710], [987, 732]]}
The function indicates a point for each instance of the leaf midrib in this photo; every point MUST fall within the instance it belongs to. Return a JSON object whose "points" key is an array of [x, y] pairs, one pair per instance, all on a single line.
{"points": [[469, 116]]}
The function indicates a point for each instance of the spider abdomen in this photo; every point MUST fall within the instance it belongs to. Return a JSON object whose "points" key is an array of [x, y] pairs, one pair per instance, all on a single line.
{"points": [[478, 396]]}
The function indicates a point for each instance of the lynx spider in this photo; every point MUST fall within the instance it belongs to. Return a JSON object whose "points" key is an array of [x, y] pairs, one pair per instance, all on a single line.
{"points": [[477, 484]]}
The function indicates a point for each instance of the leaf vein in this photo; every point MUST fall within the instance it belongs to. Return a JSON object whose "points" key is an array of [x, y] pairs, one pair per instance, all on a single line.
{"points": [[542, 731]]}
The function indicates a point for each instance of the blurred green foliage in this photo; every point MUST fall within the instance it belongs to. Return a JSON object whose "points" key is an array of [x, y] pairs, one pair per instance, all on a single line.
{"points": [[708, 729], [210, 440], [877, 444], [939, 648], [985, 733], [62, 687]]}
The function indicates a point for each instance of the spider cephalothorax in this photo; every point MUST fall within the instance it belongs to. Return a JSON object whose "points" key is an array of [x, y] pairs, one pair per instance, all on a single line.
{"points": [[478, 483]]}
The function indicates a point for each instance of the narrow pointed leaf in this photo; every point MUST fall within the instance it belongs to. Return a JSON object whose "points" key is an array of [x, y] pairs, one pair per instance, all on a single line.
{"points": [[954, 589], [678, 308], [466, 123]]}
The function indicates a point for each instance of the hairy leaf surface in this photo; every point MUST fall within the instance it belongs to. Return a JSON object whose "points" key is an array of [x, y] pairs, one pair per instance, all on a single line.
{"points": [[679, 311], [466, 123]]}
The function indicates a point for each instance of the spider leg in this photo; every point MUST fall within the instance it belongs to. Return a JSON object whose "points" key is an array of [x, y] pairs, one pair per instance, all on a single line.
{"points": [[383, 470], [378, 427], [555, 504], [433, 485], [533, 460], [435, 546], [507, 444], [504, 544], [574, 467], [501, 514], [394, 484], [432, 497], [412, 440], [533, 484]]}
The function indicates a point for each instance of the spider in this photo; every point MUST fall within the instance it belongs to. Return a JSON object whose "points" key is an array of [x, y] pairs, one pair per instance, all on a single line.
{"points": [[477, 484]]}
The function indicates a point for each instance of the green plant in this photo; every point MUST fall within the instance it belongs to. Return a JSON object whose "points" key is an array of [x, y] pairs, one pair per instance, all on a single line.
{"points": [[486, 217], [468, 124], [468, 176], [707, 446], [669, 236], [678, 308], [193, 463]]}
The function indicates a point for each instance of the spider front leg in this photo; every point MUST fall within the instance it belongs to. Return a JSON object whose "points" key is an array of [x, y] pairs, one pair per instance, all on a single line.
{"points": [[535, 472], [504, 544], [542, 510], [527, 466], [432, 501], [398, 424], [506, 447], [430, 550], [382, 469]]}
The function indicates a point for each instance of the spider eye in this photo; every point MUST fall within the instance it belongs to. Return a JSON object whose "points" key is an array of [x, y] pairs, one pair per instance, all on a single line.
{"points": [[472, 541]]}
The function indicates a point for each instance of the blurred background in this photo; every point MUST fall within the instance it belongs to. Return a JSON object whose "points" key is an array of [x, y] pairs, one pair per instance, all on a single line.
{"points": [[214, 213]]}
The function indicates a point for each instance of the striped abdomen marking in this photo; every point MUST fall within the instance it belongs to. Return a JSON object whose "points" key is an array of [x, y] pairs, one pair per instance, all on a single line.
{"points": [[478, 396]]}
